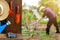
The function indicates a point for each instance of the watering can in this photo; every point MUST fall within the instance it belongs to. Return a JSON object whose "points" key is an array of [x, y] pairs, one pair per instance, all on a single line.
{"points": [[2, 27]]}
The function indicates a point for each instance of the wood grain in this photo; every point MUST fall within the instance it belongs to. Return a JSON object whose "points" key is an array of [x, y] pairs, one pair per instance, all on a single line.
{"points": [[15, 28]]}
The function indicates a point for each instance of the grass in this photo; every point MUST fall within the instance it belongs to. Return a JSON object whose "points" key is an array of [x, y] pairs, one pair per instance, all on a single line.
{"points": [[41, 34]]}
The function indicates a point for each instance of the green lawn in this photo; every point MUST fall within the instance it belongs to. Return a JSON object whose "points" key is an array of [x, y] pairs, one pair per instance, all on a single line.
{"points": [[41, 34]]}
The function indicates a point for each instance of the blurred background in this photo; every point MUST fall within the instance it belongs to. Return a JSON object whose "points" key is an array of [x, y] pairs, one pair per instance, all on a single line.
{"points": [[28, 17]]}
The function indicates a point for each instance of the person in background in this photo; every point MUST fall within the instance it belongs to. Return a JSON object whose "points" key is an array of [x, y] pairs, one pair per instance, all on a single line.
{"points": [[52, 18]]}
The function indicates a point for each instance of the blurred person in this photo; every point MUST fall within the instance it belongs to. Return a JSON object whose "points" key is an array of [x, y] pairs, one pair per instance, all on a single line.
{"points": [[52, 18]]}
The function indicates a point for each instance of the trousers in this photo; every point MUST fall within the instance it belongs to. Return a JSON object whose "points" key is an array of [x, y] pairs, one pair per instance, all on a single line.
{"points": [[50, 22]]}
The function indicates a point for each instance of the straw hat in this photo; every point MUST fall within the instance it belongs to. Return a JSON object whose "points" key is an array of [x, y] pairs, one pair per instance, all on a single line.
{"points": [[42, 7], [4, 10]]}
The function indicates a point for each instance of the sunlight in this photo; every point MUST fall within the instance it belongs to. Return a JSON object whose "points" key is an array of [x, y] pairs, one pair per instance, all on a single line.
{"points": [[30, 2]]}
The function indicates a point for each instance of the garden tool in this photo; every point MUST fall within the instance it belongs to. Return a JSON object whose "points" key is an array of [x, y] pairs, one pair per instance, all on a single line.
{"points": [[17, 17], [11, 12], [4, 26]]}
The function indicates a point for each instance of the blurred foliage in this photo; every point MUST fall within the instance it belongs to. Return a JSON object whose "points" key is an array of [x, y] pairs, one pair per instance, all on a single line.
{"points": [[27, 14], [40, 34], [49, 3], [43, 22], [53, 5]]}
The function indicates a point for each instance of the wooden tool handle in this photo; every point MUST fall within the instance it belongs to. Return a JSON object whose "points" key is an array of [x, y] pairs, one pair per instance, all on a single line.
{"points": [[11, 4], [18, 9]]}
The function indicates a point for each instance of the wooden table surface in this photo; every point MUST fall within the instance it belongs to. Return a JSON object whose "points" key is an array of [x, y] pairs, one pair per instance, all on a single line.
{"points": [[19, 36]]}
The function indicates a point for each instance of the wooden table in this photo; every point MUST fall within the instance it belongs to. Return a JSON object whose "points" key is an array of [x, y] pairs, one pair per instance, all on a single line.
{"points": [[3, 36]]}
